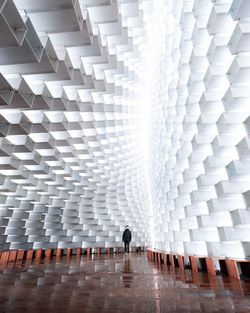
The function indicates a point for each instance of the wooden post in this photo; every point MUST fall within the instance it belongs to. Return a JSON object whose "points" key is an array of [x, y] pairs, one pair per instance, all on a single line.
{"points": [[48, 253], [12, 256], [210, 266], [232, 269], [79, 252], [39, 253], [172, 260], [165, 259], [4, 257], [69, 252], [20, 255], [181, 262], [159, 257], [29, 255], [58, 252], [193, 262]]}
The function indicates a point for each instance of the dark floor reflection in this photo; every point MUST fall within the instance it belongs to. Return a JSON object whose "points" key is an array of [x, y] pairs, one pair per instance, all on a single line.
{"points": [[118, 284], [127, 274]]}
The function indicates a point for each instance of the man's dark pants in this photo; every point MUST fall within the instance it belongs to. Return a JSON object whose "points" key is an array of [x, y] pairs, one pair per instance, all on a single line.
{"points": [[126, 246]]}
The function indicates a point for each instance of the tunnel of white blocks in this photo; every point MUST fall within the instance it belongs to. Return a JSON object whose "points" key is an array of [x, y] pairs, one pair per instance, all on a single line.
{"points": [[116, 112]]}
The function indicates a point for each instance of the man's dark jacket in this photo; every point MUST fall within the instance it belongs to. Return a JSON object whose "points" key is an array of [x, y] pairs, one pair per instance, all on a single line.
{"points": [[126, 237]]}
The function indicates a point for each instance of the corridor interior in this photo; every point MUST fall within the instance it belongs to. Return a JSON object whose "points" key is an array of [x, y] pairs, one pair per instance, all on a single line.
{"points": [[116, 114]]}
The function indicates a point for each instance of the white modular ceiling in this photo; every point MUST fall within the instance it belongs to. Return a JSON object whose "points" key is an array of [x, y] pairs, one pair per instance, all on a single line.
{"points": [[200, 127], [71, 163]]}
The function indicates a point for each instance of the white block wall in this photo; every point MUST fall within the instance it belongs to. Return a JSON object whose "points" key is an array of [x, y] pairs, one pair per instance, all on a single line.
{"points": [[71, 160], [200, 127]]}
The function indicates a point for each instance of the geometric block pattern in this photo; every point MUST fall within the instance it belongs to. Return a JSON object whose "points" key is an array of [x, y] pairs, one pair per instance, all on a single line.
{"points": [[200, 128], [71, 167], [116, 112]]}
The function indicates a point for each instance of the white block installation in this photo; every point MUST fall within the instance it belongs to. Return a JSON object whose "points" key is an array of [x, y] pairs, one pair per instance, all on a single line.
{"points": [[116, 112], [199, 127], [71, 162]]}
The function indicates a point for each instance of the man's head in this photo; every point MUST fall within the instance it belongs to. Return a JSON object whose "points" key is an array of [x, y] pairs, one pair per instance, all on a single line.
{"points": [[126, 227]]}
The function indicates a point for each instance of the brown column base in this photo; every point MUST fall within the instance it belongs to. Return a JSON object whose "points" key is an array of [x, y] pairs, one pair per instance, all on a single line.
{"points": [[30, 254], [165, 259], [159, 258], [79, 252], [172, 260], [58, 252], [20, 255], [232, 269], [48, 253], [210, 267], [181, 262], [193, 262], [4, 257], [89, 251], [12, 256], [69, 252], [39, 254]]}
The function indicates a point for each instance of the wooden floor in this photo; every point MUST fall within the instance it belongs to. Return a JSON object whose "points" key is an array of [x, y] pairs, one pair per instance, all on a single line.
{"points": [[115, 283]]}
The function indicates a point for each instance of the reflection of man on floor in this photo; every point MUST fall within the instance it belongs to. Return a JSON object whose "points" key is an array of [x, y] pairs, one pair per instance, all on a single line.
{"points": [[126, 238], [127, 276]]}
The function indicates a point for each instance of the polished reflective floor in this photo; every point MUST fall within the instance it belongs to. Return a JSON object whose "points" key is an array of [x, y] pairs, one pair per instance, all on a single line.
{"points": [[116, 283]]}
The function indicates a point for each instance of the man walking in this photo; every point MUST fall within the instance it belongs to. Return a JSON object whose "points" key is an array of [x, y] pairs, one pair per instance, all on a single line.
{"points": [[126, 238]]}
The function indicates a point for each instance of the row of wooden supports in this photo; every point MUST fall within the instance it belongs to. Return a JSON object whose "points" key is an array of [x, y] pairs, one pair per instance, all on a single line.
{"points": [[19, 255], [227, 266]]}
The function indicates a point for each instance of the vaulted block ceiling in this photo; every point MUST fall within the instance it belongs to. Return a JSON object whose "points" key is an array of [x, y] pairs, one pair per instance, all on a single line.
{"points": [[70, 155]]}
